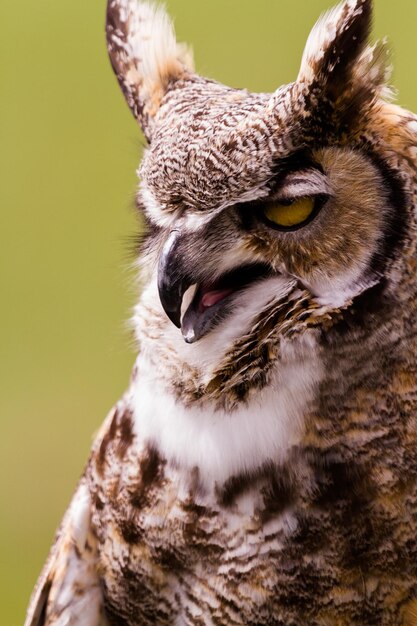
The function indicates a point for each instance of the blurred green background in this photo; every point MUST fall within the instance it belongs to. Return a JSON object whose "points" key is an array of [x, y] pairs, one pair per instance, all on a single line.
{"points": [[69, 150]]}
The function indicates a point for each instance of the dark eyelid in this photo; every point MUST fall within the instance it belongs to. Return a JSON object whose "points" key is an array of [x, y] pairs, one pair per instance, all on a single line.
{"points": [[296, 162], [284, 201]]}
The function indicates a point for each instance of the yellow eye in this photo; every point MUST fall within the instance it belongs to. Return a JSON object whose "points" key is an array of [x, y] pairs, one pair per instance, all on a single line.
{"points": [[288, 215]]}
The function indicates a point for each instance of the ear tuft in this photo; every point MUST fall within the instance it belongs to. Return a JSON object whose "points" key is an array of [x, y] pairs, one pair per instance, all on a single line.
{"points": [[341, 76], [336, 41], [145, 55]]}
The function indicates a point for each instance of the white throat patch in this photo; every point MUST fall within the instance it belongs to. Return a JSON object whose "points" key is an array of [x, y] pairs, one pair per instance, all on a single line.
{"points": [[224, 444]]}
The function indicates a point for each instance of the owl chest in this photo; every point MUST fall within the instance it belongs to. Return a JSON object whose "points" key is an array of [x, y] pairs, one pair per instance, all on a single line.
{"points": [[249, 553], [180, 558], [167, 579]]}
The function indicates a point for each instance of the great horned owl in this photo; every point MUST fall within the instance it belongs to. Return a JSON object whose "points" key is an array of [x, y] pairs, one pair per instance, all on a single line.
{"points": [[262, 466]]}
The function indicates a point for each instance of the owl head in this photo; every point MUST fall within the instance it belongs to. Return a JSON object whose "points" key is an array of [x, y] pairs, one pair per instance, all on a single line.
{"points": [[268, 215]]}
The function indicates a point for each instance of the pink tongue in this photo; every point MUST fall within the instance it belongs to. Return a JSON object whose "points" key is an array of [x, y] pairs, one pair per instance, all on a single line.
{"points": [[212, 297]]}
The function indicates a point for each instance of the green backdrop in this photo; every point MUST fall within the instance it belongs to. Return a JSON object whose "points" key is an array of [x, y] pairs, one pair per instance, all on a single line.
{"points": [[68, 153]]}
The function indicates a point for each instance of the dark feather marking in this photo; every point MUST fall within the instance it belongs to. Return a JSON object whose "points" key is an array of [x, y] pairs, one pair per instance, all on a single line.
{"points": [[279, 493], [398, 220], [170, 559], [143, 610], [150, 466], [130, 529], [77, 551], [126, 433], [45, 596], [97, 501], [113, 616], [150, 476], [276, 484]]}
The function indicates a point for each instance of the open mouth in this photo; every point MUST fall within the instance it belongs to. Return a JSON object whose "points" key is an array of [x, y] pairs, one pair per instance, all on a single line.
{"points": [[212, 302]]}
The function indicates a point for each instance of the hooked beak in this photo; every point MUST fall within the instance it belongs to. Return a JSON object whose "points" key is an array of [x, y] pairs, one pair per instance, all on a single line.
{"points": [[213, 298], [172, 281]]}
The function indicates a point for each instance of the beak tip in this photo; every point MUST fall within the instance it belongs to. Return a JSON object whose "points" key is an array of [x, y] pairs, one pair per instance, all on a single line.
{"points": [[189, 337]]}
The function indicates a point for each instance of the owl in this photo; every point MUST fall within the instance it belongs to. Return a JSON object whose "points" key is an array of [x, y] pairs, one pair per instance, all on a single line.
{"points": [[261, 468]]}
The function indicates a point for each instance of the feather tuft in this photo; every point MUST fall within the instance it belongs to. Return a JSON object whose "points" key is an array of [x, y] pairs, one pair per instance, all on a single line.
{"points": [[145, 55]]}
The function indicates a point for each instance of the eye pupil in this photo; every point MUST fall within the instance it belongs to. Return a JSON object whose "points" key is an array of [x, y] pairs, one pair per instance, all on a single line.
{"points": [[288, 214]]}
